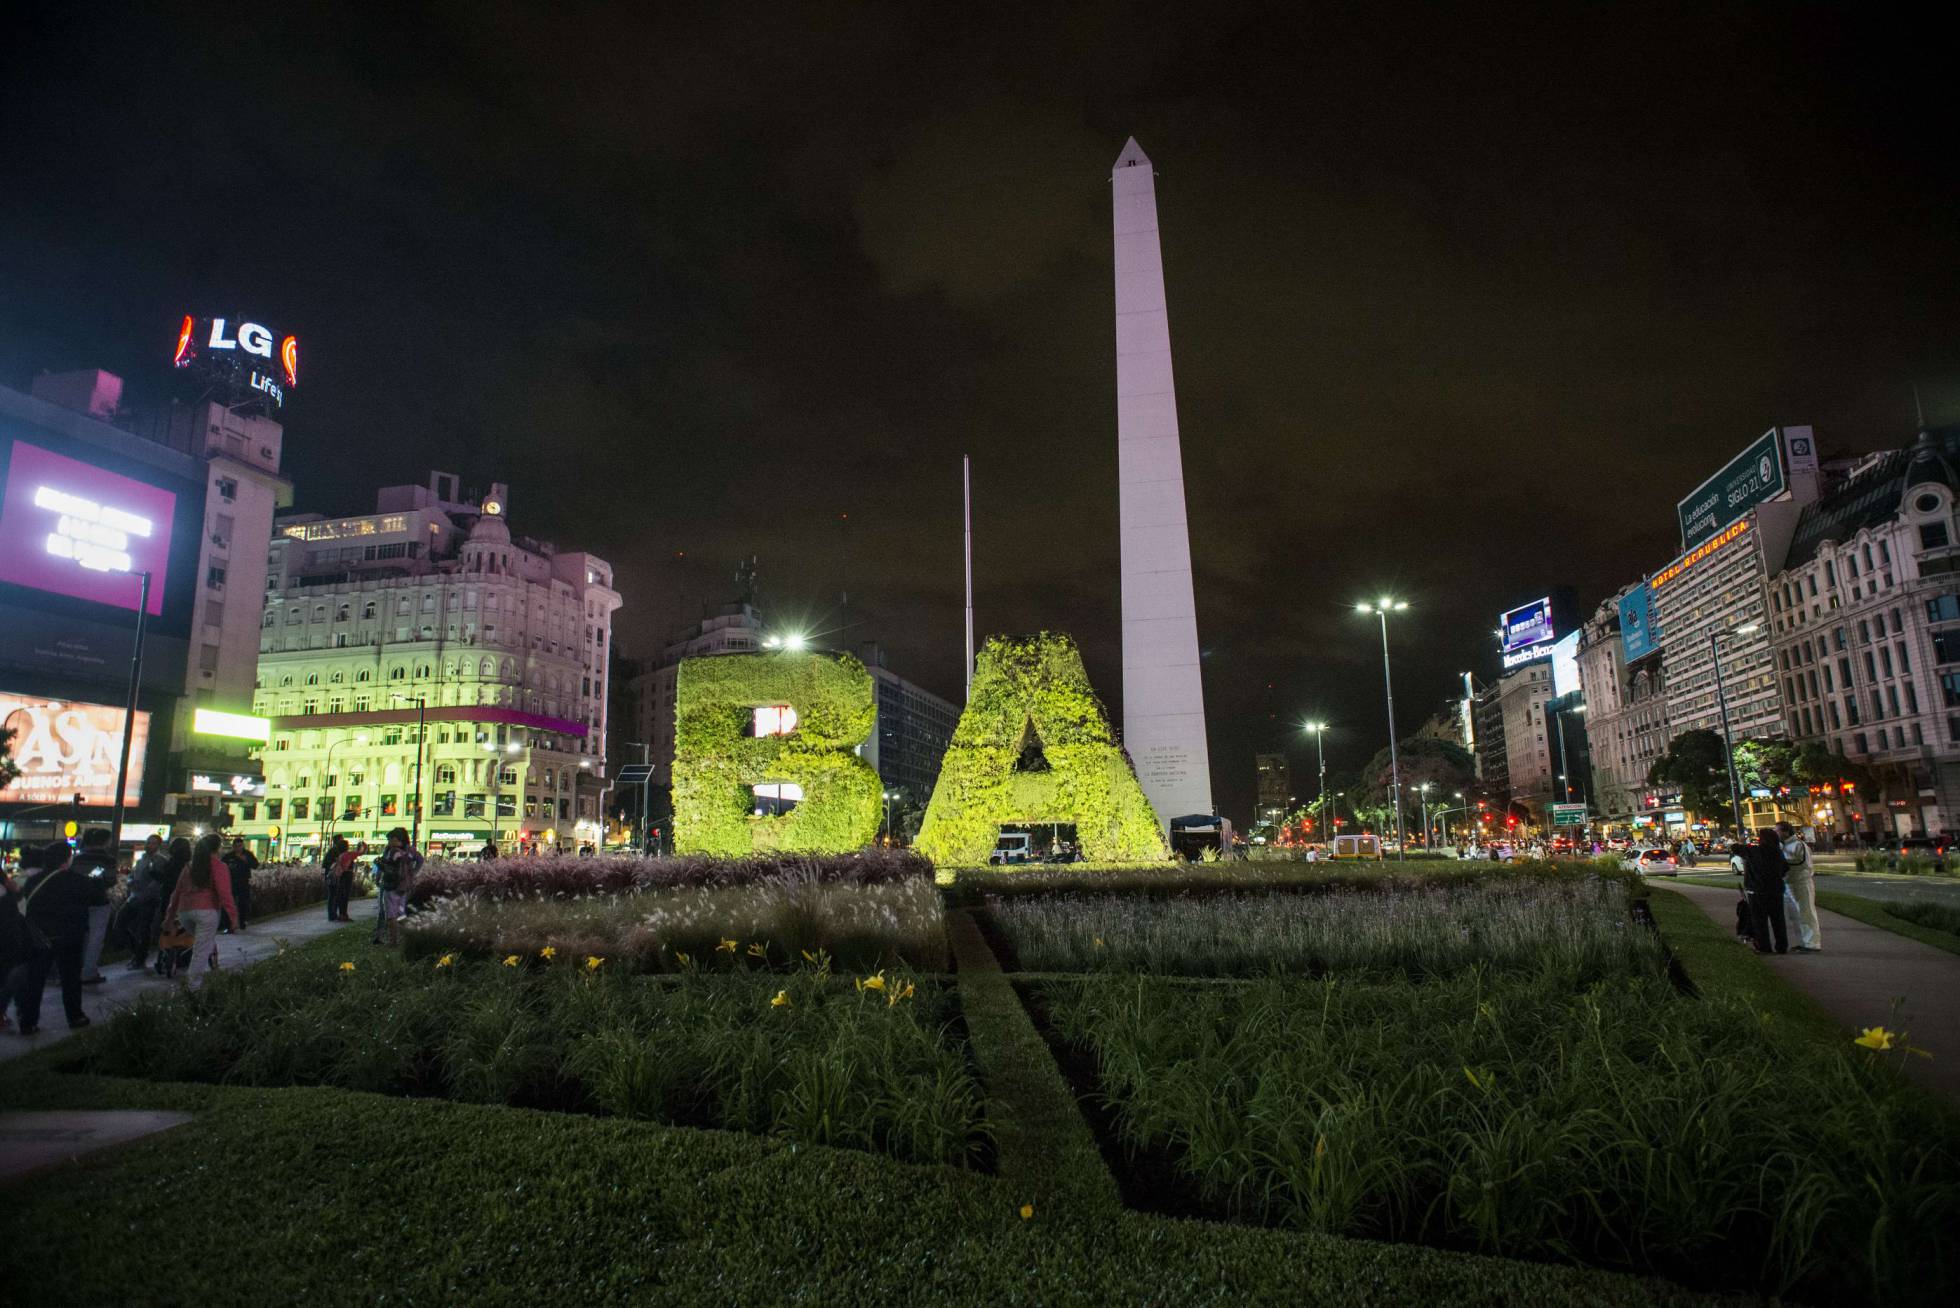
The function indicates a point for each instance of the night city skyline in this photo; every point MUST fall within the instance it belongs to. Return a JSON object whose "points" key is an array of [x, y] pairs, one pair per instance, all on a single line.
{"points": [[1458, 317]]}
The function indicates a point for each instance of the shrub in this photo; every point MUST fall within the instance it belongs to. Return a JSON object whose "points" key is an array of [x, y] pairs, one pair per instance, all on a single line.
{"points": [[859, 925], [1169, 879], [1928, 913], [564, 876], [283, 887]]}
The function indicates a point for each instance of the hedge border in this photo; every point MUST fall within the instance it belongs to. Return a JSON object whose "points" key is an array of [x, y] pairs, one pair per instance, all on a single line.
{"points": [[1872, 912]]}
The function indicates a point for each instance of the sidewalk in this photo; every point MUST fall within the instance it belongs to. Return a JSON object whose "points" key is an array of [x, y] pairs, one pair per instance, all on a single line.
{"points": [[1860, 974], [261, 939]]}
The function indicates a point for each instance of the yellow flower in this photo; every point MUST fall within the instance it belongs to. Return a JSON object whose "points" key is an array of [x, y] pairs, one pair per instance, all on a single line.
{"points": [[1099, 942], [758, 950], [892, 998], [725, 947], [592, 962], [510, 960], [873, 982], [548, 952], [809, 957], [1319, 1147], [445, 960], [347, 967], [685, 961], [781, 1000], [1027, 1212], [1875, 1037]]}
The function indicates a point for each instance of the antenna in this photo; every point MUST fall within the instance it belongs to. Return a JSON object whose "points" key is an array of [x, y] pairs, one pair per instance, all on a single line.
{"points": [[966, 498]]}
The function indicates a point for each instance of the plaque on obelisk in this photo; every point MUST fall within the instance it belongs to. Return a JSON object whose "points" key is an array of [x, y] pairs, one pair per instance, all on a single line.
{"points": [[1163, 696]]}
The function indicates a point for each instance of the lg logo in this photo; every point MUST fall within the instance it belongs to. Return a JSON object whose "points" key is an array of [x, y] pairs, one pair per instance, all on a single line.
{"points": [[198, 335]]}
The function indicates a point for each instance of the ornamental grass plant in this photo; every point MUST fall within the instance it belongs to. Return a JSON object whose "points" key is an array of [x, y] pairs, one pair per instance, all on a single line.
{"points": [[813, 1056], [1576, 929], [769, 923], [1623, 1126], [565, 876]]}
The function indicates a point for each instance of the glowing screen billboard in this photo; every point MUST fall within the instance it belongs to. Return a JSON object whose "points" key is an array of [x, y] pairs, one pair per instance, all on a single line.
{"points": [[64, 748], [75, 529]]}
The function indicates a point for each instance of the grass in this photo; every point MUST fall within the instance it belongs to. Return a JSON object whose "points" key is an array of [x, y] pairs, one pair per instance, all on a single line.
{"points": [[1924, 920], [1718, 966], [1579, 928], [770, 923], [345, 1198], [809, 1056], [1622, 1126]]}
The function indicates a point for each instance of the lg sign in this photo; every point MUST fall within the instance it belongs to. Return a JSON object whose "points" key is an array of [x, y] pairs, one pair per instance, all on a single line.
{"points": [[219, 343]]}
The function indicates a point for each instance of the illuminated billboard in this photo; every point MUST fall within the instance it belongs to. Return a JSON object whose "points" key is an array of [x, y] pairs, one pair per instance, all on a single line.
{"points": [[1639, 635], [1526, 632], [72, 528], [267, 361], [1751, 478], [64, 748]]}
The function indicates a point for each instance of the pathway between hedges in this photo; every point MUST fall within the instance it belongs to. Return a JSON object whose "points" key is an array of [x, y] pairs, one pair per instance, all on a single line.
{"points": [[262, 939], [1861, 973]]}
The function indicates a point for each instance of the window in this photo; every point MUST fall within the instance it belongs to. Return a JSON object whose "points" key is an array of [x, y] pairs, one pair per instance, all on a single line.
{"points": [[446, 774], [214, 575], [473, 806], [773, 798], [506, 806], [773, 720], [1950, 688], [1885, 659], [1943, 608], [227, 488], [388, 806], [445, 805], [272, 808], [1946, 646], [299, 808]]}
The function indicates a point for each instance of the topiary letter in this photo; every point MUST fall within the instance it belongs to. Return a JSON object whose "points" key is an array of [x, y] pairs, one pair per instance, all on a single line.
{"points": [[719, 758], [1034, 745]]}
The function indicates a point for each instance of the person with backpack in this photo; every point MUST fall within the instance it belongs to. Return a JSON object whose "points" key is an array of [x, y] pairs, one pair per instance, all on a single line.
{"points": [[1765, 868], [143, 909], [203, 892], [56, 901], [395, 872], [1803, 887]]}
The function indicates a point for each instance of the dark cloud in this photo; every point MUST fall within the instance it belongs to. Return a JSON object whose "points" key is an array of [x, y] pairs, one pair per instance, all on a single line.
{"points": [[1461, 304]]}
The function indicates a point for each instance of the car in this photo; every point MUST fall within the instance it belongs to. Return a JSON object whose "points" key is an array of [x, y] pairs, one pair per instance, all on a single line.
{"points": [[1651, 862]]}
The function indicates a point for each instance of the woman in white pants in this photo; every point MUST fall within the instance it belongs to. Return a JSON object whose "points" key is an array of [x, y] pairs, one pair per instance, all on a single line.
{"points": [[203, 891]]}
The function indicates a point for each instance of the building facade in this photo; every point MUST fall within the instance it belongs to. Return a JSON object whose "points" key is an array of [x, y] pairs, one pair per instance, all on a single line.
{"points": [[422, 668], [1864, 626], [1522, 697], [1275, 789], [907, 746], [1626, 713]]}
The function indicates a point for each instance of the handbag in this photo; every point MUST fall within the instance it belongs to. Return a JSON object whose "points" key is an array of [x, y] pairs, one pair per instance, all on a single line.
{"points": [[178, 939]]}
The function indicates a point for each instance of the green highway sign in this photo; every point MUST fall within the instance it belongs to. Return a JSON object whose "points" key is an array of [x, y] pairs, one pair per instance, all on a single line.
{"points": [[1568, 815], [1751, 477]]}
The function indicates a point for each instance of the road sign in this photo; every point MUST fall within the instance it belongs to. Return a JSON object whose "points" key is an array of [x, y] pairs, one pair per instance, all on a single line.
{"points": [[1568, 815]]}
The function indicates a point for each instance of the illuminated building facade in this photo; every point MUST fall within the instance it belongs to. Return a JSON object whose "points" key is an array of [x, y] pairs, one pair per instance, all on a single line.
{"points": [[428, 608], [1626, 711]]}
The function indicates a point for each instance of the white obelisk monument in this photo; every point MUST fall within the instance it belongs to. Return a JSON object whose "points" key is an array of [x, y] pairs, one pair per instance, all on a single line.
{"points": [[1163, 695]]}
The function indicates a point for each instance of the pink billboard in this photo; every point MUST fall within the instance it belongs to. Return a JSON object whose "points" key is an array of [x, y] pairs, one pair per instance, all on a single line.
{"points": [[75, 529]]}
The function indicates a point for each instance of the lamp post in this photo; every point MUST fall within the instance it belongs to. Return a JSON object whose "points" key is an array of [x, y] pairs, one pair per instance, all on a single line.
{"points": [[129, 716], [1728, 739], [421, 704], [1422, 791], [1319, 730], [326, 770], [1382, 608]]}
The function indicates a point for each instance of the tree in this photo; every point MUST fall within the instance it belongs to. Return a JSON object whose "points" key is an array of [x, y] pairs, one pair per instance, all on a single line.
{"points": [[1765, 764], [1696, 762], [1444, 764], [8, 771]]}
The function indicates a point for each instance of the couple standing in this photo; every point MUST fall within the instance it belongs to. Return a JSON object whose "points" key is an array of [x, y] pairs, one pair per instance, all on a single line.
{"points": [[1777, 872]]}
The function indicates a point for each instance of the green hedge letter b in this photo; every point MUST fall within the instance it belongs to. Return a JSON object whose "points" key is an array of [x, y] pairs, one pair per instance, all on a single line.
{"points": [[765, 755], [1034, 745]]}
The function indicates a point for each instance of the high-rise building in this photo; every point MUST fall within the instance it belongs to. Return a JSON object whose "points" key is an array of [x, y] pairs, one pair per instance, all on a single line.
{"points": [[1626, 707], [1163, 690], [1522, 698], [1275, 791], [731, 629], [422, 653], [909, 742]]}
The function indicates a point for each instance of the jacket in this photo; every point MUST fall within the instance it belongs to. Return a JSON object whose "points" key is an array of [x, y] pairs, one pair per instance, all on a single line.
{"points": [[97, 867], [1766, 867], [217, 895], [147, 881], [58, 903]]}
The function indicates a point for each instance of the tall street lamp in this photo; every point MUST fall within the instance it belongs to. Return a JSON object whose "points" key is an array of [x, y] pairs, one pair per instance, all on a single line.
{"points": [[1728, 739], [1423, 791], [1382, 608], [1319, 730], [421, 704]]}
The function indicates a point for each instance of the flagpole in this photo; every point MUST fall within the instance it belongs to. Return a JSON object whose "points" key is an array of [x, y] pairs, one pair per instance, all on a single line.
{"points": [[966, 496]]}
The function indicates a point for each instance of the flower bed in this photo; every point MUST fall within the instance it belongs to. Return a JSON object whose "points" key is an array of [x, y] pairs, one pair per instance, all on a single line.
{"points": [[282, 887], [1578, 929], [770, 923], [564, 876], [1189, 880], [869, 1063]]}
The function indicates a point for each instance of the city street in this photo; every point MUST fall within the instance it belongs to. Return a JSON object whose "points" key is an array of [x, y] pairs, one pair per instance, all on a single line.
{"points": [[1887, 889]]}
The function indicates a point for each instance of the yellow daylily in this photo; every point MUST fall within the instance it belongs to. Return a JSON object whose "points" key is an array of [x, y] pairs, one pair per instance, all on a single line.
{"points": [[1099, 942], [1875, 1037], [446, 960], [510, 960], [592, 962], [809, 957], [781, 1000], [874, 982], [891, 999], [685, 961], [347, 967], [548, 952], [1027, 1212], [758, 950], [725, 947]]}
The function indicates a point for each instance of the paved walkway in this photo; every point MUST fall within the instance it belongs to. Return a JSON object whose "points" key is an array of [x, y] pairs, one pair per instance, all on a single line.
{"points": [[260, 940], [31, 1142], [1862, 973]]}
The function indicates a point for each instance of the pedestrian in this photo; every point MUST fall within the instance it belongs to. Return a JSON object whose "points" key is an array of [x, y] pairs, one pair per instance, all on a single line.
{"points": [[96, 864], [340, 879], [1765, 868], [203, 892], [143, 909], [239, 861], [1803, 887], [17, 944], [395, 872], [1689, 852], [56, 902], [177, 857], [488, 852]]}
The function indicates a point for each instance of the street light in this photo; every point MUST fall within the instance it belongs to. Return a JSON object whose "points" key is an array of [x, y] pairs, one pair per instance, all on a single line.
{"points": [[1728, 739], [1381, 608], [421, 704], [1423, 792], [327, 771], [1319, 730]]}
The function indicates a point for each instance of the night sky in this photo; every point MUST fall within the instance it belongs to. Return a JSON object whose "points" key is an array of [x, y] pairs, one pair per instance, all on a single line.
{"points": [[1459, 307]]}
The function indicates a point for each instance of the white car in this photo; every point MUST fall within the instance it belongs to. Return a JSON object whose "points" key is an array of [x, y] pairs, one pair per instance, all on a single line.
{"points": [[1651, 862]]}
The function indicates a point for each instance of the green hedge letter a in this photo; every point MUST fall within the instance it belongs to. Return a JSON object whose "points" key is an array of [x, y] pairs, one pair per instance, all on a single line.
{"points": [[765, 755], [1034, 745]]}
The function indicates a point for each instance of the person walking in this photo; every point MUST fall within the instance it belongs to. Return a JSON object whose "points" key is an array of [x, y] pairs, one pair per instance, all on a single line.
{"points": [[1803, 887], [56, 902], [202, 893], [239, 861], [143, 909], [395, 871], [96, 864], [17, 945], [339, 870], [1765, 868]]}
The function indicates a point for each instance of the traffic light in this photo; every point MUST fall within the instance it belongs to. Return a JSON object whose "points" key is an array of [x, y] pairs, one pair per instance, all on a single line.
{"points": [[1511, 821]]}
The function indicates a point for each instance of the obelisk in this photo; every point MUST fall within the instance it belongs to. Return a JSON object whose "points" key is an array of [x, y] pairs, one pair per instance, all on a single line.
{"points": [[1163, 694]]}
